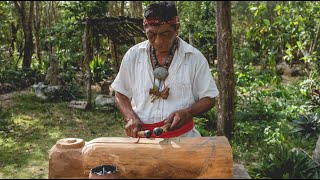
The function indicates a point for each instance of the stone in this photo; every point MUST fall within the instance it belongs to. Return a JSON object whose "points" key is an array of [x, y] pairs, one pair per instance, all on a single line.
{"points": [[79, 105], [284, 69], [240, 172], [52, 89], [103, 100], [39, 90]]}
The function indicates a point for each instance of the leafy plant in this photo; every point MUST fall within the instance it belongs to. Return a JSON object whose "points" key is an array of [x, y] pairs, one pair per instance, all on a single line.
{"points": [[201, 126], [101, 69], [307, 125], [316, 97], [63, 93], [284, 163]]}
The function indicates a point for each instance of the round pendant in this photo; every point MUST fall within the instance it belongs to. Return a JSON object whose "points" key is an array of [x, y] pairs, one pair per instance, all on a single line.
{"points": [[160, 73]]}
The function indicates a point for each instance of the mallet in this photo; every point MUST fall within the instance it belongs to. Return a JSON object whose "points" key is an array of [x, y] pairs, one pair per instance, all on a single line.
{"points": [[145, 133], [158, 130]]}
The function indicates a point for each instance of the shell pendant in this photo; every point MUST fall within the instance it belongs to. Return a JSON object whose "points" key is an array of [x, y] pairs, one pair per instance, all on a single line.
{"points": [[160, 73]]}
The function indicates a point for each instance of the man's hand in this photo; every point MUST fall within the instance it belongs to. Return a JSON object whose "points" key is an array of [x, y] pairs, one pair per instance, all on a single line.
{"points": [[133, 126], [179, 118]]}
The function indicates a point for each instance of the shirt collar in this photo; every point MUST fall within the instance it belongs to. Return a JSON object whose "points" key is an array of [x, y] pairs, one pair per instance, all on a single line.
{"points": [[184, 47]]}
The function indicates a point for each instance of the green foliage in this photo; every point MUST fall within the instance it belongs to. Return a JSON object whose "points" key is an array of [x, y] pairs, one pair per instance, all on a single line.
{"points": [[285, 24], [315, 97], [20, 78], [307, 125], [64, 93], [206, 123], [198, 18], [284, 163], [101, 69], [201, 126]]}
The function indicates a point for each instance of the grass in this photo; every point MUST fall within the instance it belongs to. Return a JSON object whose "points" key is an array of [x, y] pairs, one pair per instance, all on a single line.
{"points": [[36, 127]]}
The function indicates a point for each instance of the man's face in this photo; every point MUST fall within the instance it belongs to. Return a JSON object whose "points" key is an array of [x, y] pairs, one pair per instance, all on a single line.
{"points": [[161, 37]]}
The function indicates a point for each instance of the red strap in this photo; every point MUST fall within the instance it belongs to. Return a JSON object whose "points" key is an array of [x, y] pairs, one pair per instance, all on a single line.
{"points": [[185, 128]]}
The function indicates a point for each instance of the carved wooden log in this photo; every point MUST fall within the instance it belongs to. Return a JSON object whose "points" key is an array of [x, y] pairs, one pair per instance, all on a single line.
{"points": [[202, 157]]}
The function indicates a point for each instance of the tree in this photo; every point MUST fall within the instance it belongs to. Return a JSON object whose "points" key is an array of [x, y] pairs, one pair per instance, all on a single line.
{"points": [[226, 83], [53, 70], [26, 18]]}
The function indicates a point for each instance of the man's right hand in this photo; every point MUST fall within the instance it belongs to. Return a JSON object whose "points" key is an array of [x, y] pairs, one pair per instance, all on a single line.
{"points": [[133, 126]]}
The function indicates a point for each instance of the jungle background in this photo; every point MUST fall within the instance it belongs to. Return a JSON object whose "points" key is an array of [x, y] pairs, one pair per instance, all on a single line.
{"points": [[276, 64]]}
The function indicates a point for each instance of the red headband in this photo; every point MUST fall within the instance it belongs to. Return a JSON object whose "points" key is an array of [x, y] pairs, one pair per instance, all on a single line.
{"points": [[158, 21]]}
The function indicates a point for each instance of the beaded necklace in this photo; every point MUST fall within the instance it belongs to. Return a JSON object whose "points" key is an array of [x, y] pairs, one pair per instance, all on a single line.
{"points": [[161, 73]]}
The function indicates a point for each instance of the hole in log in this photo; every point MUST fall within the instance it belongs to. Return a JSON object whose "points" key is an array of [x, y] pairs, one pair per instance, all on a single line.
{"points": [[104, 169], [71, 141]]}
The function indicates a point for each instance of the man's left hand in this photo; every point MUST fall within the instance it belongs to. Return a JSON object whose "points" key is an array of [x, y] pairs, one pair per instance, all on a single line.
{"points": [[178, 118]]}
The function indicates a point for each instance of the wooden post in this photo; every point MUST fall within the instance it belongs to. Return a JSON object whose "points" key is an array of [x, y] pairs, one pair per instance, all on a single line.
{"points": [[226, 82]]}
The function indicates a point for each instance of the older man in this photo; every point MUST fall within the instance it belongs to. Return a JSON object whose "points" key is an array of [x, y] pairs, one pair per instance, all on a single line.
{"points": [[163, 79]]}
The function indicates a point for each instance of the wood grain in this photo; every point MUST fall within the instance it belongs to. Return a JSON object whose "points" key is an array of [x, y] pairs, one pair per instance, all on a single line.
{"points": [[202, 157]]}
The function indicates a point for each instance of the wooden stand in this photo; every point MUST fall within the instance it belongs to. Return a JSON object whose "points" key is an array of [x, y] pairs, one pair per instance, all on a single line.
{"points": [[202, 157]]}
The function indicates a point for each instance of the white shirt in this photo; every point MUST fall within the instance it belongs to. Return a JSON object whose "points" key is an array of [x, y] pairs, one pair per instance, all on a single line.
{"points": [[189, 80]]}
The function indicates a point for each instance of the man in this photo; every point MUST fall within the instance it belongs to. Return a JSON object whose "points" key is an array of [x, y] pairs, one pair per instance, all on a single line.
{"points": [[163, 80]]}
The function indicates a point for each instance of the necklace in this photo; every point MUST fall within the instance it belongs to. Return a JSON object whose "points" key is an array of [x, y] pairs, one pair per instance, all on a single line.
{"points": [[161, 73]]}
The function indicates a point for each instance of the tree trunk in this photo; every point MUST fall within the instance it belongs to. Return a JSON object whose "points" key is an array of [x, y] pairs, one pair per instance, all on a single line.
{"points": [[190, 33], [133, 9], [226, 82], [313, 46], [111, 8], [14, 30], [26, 20], [122, 8], [53, 70], [139, 9], [111, 44], [87, 46], [116, 8], [37, 26]]}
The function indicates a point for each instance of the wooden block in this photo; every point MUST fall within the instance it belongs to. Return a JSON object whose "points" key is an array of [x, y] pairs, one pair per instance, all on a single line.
{"points": [[79, 105], [201, 157]]}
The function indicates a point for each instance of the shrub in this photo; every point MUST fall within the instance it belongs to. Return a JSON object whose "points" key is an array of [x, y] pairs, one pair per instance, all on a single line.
{"points": [[287, 164], [307, 125], [64, 93]]}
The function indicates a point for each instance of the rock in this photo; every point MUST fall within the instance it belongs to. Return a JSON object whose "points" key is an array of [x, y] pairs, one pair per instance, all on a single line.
{"points": [[239, 172], [284, 68], [39, 90], [103, 100], [52, 89], [316, 153]]}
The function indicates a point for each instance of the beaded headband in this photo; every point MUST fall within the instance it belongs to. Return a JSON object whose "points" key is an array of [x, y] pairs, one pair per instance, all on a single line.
{"points": [[158, 21]]}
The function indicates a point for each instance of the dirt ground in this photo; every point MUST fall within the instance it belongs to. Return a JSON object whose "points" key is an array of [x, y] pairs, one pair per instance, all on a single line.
{"points": [[5, 99]]}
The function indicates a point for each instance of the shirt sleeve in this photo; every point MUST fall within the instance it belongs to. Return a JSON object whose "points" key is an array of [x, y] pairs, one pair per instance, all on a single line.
{"points": [[204, 84], [122, 80]]}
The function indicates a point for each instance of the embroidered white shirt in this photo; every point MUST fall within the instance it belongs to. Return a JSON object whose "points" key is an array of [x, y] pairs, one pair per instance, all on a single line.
{"points": [[189, 80]]}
